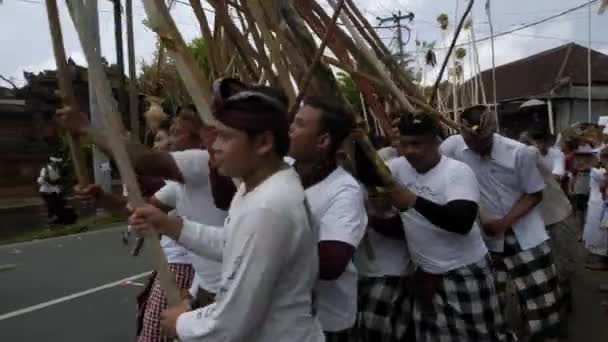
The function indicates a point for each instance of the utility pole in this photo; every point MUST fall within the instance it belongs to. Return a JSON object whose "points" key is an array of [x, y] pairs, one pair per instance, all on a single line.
{"points": [[396, 19], [589, 79], [133, 107], [120, 61], [102, 170]]}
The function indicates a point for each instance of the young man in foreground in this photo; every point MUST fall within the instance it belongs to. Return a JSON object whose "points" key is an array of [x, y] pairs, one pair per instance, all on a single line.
{"points": [[267, 246]]}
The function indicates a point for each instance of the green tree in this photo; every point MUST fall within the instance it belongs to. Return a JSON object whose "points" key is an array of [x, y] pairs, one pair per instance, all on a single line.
{"points": [[349, 90], [162, 79]]}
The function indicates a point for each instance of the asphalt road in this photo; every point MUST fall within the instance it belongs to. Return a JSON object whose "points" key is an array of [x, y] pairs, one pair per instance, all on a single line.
{"points": [[92, 268], [52, 269]]}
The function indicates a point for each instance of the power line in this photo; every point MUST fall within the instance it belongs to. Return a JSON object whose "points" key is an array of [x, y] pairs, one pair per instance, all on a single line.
{"points": [[30, 2], [538, 22], [40, 3], [558, 38]]}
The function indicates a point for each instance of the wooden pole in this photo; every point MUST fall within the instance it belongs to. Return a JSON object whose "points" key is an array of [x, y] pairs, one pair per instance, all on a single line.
{"points": [[133, 103], [447, 56], [309, 73], [113, 124], [67, 92], [206, 33], [197, 85]]}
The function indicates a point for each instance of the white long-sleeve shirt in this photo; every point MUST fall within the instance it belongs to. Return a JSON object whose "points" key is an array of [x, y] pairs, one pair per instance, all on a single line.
{"points": [[48, 173], [269, 268]]}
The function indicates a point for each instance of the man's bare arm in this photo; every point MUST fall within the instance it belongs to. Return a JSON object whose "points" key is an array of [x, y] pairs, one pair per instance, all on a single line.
{"points": [[145, 161]]}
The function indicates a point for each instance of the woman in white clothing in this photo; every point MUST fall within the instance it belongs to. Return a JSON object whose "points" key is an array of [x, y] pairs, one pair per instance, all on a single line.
{"points": [[594, 236]]}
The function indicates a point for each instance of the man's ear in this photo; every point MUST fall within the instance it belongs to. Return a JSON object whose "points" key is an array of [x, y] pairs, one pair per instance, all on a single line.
{"points": [[324, 141], [264, 143]]}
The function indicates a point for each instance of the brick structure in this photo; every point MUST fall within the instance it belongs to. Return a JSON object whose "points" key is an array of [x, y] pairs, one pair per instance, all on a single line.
{"points": [[27, 132]]}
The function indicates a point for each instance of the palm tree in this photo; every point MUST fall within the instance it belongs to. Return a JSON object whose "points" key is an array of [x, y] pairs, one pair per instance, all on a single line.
{"points": [[443, 21], [459, 55]]}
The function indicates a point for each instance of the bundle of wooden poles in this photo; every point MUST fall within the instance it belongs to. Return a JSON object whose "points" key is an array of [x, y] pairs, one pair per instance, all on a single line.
{"points": [[294, 45]]}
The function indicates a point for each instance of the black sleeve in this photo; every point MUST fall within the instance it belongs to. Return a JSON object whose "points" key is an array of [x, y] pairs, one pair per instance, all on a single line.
{"points": [[391, 227], [456, 216]]}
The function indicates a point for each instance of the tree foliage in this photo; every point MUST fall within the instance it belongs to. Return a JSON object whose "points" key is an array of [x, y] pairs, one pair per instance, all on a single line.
{"points": [[460, 53], [350, 91], [162, 79], [443, 21]]}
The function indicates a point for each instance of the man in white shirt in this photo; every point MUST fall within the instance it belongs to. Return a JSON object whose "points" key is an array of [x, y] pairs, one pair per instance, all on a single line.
{"points": [[267, 245], [50, 191], [385, 267], [191, 179], [556, 209], [552, 156], [511, 189], [438, 199], [337, 208]]}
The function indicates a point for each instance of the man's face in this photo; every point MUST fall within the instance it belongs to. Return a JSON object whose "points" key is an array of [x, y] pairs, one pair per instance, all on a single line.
{"points": [[305, 140], [480, 144], [542, 145], [236, 154], [181, 137], [420, 150]]}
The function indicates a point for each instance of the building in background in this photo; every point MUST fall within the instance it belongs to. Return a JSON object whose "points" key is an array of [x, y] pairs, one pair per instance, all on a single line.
{"points": [[557, 78]]}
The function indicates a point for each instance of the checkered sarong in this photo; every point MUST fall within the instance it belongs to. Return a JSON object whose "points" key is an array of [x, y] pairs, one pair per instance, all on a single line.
{"points": [[157, 302], [534, 276], [384, 309], [465, 307]]}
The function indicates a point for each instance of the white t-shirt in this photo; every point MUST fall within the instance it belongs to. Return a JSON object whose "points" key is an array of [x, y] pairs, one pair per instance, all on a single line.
{"points": [[555, 160], [390, 256], [269, 268], [434, 249], [338, 213], [508, 173], [378, 255], [168, 195], [596, 178], [195, 202]]}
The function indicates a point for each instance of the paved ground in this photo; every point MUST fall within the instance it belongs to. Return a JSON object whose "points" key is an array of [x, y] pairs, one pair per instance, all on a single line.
{"points": [[588, 323], [53, 269]]}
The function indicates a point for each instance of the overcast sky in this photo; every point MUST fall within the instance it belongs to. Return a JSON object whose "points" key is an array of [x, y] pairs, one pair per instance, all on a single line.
{"points": [[25, 40]]}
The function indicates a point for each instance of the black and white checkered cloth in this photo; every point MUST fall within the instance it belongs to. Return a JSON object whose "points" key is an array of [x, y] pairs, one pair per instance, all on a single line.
{"points": [[384, 309], [534, 277], [465, 307]]}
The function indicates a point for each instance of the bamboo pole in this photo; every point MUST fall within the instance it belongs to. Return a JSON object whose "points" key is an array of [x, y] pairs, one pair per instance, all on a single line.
{"points": [[275, 50], [197, 85], [199, 13], [309, 73], [113, 124], [65, 85], [449, 53], [248, 53]]}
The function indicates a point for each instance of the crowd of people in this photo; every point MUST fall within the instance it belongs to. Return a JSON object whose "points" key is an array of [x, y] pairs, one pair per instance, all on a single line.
{"points": [[272, 236]]}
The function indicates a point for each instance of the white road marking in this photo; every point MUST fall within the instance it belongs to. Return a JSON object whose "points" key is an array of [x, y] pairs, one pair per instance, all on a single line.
{"points": [[70, 297], [133, 283]]}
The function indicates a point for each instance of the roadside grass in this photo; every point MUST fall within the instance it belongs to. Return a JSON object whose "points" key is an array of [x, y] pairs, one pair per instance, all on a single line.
{"points": [[82, 225]]}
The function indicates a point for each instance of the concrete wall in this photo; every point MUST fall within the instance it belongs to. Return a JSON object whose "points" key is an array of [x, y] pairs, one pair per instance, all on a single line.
{"points": [[570, 105]]}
